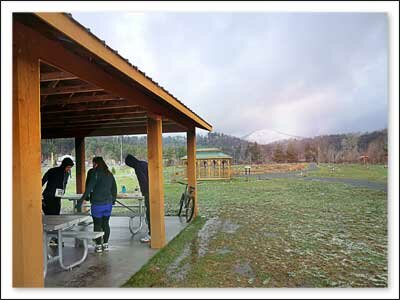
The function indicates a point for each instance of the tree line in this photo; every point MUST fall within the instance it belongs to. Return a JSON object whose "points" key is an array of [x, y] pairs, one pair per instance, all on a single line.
{"points": [[336, 148]]}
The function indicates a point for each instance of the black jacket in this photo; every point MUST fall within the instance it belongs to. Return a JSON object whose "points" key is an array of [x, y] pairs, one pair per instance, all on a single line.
{"points": [[56, 178], [89, 175], [141, 170], [101, 186]]}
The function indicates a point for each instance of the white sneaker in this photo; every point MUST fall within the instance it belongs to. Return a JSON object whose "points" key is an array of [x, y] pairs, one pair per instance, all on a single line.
{"points": [[146, 239], [98, 249], [53, 242], [105, 247]]}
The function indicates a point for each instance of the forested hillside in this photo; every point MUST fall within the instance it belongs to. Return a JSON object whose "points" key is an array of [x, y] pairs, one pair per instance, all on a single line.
{"points": [[327, 148]]}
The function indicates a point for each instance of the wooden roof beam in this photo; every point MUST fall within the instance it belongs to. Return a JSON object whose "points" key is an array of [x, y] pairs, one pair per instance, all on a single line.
{"points": [[62, 133], [88, 120], [58, 75], [97, 124], [80, 99], [80, 35], [117, 113], [81, 123], [54, 53], [69, 89], [71, 108]]}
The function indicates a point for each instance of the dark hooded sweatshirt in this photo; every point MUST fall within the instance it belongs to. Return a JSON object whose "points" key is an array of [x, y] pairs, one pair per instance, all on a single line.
{"points": [[101, 186], [56, 178], [141, 170]]}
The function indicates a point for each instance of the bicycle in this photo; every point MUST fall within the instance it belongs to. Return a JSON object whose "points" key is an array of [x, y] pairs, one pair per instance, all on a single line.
{"points": [[187, 202]]}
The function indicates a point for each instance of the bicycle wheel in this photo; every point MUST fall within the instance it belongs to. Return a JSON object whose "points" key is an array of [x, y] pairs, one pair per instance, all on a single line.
{"points": [[181, 204], [189, 209], [134, 227]]}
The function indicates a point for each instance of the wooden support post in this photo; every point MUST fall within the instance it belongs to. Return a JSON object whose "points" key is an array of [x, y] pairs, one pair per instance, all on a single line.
{"points": [[156, 181], [191, 167], [27, 252], [198, 169], [229, 169], [80, 164]]}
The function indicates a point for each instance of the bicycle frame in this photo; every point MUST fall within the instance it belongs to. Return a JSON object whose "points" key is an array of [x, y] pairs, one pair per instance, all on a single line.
{"points": [[186, 199]]}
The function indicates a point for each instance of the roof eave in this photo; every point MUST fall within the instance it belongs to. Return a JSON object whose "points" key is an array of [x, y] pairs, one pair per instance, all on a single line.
{"points": [[79, 34]]}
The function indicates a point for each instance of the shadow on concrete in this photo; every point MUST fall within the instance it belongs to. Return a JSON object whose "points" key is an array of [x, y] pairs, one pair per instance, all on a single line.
{"points": [[113, 268]]}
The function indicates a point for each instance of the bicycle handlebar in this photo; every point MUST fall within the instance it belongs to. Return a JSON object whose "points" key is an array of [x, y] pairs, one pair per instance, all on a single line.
{"points": [[185, 183]]}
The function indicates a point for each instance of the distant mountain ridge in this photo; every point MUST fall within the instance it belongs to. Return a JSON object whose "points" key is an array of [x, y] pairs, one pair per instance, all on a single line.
{"points": [[267, 136]]}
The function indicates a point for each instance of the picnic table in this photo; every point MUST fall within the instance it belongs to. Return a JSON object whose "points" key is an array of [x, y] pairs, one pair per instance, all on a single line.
{"points": [[59, 225], [135, 210]]}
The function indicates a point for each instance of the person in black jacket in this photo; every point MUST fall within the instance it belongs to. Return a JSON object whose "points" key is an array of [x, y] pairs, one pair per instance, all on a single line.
{"points": [[102, 188], [57, 179], [141, 170]]}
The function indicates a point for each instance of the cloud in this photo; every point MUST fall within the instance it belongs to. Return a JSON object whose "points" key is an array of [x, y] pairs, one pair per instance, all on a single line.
{"points": [[307, 73]]}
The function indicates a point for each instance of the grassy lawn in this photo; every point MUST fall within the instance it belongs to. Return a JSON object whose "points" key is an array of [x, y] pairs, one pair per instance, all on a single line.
{"points": [[354, 171], [276, 233], [273, 233]]}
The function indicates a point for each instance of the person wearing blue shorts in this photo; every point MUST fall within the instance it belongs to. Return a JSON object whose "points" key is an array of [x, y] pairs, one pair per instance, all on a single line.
{"points": [[102, 188]]}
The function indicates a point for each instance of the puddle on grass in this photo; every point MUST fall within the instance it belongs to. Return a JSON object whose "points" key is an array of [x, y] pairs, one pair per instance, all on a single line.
{"points": [[198, 247], [229, 227], [223, 251], [244, 269], [175, 270], [270, 234], [204, 235], [210, 229]]}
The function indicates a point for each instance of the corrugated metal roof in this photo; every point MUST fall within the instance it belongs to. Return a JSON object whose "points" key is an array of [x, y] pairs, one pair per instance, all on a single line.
{"points": [[69, 15]]}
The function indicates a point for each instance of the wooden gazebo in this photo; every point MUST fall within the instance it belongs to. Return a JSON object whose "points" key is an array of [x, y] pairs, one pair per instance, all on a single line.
{"points": [[69, 83], [211, 164]]}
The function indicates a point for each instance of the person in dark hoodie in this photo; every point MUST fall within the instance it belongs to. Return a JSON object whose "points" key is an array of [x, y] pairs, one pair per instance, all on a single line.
{"points": [[141, 170], [102, 188], [57, 179]]}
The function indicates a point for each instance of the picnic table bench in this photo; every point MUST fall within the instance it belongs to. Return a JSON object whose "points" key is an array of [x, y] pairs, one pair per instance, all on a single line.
{"points": [[60, 226]]}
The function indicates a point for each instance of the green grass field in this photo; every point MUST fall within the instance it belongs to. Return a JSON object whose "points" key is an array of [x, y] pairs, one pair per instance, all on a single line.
{"points": [[277, 233], [377, 173], [274, 233]]}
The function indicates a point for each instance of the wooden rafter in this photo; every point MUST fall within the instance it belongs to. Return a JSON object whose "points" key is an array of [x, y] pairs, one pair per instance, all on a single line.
{"points": [[66, 133], [96, 122], [103, 114], [70, 108], [69, 89], [79, 35], [58, 75], [80, 99]]}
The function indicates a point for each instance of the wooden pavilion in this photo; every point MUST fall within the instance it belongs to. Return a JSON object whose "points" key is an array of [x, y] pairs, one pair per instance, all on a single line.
{"points": [[69, 83], [211, 164]]}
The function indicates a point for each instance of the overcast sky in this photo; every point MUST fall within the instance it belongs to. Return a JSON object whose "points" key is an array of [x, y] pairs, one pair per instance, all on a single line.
{"points": [[300, 73]]}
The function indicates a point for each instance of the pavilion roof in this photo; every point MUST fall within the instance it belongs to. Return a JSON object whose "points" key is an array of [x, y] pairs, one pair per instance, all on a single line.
{"points": [[110, 97]]}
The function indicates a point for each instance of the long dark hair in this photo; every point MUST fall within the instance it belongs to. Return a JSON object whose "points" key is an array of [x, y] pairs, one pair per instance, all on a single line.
{"points": [[99, 161]]}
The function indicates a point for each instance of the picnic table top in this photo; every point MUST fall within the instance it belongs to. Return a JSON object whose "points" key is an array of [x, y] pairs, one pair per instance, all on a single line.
{"points": [[57, 222], [137, 195]]}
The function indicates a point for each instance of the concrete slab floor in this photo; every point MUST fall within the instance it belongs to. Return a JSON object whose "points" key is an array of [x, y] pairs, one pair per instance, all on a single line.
{"points": [[113, 268]]}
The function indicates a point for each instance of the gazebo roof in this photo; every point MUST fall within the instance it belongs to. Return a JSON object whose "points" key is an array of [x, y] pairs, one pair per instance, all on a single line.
{"points": [[209, 153], [109, 97]]}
